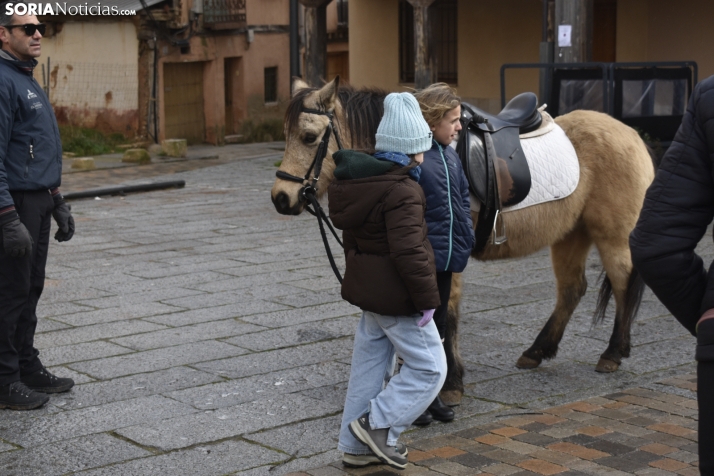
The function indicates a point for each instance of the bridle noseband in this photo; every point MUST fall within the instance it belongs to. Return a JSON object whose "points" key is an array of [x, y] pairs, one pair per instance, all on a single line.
{"points": [[308, 192]]}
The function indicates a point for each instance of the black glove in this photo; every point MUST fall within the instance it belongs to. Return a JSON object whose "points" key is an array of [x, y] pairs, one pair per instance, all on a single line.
{"points": [[63, 217], [16, 240]]}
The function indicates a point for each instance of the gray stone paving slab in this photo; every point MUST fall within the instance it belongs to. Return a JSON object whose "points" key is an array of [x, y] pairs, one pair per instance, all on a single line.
{"points": [[150, 360], [302, 439], [204, 427], [302, 298], [234, 392], [333, 394], [204, 300], [291, 317], [206, 460], [48, 325], [48, 309], [298, 464], [109, 330], [78, 378], [218, 313], [120, 313], [187, 334], [97, 419], [189, 281], [150, 295], [235, 283], [80, 352], [7, 447], [69, 456], [296, 335], [252, 364], [140, 385]]}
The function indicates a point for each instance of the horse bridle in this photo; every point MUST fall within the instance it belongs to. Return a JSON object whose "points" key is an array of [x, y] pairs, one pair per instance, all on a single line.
{"points": [[310, 188], [308, 192]]}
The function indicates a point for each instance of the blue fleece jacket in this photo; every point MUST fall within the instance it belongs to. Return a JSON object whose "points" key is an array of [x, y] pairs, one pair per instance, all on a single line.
{"points": [[448, 209], [30, 145]]}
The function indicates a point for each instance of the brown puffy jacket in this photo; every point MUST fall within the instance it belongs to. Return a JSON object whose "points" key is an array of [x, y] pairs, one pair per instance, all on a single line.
{"points": [[390, 263]]}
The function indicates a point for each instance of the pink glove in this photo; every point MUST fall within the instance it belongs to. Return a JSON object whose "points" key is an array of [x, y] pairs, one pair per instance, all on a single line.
{"points": [[428, 315]]}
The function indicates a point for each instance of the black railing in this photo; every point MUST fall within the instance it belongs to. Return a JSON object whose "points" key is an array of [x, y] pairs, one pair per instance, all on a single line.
{"points": [[217, 12], [649, 96]]}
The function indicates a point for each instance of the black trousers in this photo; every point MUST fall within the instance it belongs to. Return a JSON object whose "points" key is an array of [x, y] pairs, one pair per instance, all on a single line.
{"points": [[443, 282], [705, 395], [21, 284]]}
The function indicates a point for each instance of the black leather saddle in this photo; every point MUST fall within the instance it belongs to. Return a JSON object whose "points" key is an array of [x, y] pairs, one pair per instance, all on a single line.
{"points": [[490, 150]]}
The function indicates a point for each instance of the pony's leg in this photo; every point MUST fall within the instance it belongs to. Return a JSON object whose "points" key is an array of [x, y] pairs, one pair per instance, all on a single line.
{"points": [[627, 286], [453, 389], [569, 257]]}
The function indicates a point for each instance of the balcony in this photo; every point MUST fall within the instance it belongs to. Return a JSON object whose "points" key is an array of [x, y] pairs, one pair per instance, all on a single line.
{"points": [[224, 14]]}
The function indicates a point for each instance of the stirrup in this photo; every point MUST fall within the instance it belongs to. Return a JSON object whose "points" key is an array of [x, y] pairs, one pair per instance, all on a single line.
{"points": [[496, 238]]}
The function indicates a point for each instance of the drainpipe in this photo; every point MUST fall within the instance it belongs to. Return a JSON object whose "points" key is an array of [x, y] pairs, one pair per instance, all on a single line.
{"points": [[294, 40]]}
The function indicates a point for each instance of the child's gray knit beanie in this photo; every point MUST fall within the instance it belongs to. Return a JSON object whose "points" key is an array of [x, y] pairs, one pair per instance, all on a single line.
{"points": [[403, 128]]}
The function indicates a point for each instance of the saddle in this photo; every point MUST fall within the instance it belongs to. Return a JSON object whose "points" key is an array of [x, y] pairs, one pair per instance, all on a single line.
{"points": [[490, 150]]}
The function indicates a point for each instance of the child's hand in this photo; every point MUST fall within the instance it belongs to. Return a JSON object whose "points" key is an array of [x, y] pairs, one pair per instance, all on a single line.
{"points": [[427, 316]]}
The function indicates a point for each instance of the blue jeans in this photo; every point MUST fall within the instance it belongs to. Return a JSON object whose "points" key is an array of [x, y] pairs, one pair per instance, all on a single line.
{"points": [[408, 393]]}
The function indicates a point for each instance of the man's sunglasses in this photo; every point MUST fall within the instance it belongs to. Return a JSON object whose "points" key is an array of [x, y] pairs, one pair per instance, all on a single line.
{"points": [[30, 28]]}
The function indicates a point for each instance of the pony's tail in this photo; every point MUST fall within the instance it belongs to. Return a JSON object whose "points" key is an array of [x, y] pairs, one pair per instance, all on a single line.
{"points": [[633, 298]]}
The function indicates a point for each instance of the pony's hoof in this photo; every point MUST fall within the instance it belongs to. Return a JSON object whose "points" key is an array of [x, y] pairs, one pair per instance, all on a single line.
{"points": [[451, 398], [606, 366], [525, 362]]}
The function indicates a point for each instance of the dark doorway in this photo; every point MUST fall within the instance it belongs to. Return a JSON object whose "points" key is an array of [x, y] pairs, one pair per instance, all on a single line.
{"points": [[605, 31]]}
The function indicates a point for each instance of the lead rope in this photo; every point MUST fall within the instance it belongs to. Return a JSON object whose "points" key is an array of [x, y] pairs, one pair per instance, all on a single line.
{"points": [[320, 214]]}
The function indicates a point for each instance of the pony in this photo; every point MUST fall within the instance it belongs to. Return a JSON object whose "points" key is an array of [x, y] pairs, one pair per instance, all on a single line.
{"points": [[616, 169]]}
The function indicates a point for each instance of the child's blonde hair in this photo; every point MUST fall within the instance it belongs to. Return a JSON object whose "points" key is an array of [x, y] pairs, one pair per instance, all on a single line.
{"points": [[436, 100]]}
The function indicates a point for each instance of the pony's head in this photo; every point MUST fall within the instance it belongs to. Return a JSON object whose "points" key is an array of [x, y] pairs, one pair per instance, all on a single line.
{"points": [[354, 115]]}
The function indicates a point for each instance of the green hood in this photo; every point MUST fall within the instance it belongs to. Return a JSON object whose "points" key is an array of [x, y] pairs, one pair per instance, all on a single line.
{"points": [[356, 165]]}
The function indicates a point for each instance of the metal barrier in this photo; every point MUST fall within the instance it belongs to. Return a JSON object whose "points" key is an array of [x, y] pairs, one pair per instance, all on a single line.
{"points": [[614, 77]]}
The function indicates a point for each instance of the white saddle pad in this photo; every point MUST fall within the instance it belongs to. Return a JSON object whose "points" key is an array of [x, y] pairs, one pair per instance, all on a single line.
{"points": [[554, 166]]}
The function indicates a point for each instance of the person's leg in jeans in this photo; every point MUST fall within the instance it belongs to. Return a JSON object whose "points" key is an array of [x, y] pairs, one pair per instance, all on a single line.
{"points": [[372, 360], [418, 382], [36, 214]]}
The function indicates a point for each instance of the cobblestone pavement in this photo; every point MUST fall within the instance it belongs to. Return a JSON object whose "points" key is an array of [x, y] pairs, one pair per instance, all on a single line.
{"points": [[640, 430], [207, 336]]}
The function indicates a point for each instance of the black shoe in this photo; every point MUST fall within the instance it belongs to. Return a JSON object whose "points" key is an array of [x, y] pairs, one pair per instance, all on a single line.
{"points": [[43, 381], [360, 461], [440, 411], [16, 396], [377, 442], [424, 419]]}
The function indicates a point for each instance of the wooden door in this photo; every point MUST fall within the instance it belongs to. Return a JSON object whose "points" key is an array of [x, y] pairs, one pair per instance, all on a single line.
{"points": [[183, 102]]}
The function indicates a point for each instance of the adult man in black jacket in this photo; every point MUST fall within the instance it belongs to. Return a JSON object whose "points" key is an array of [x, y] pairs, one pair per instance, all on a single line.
{"points": [[678, 207], [30, 172]]}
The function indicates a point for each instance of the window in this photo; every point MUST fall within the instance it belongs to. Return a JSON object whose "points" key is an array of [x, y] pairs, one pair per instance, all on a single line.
{"points": [[271, 84], [442, 20]]}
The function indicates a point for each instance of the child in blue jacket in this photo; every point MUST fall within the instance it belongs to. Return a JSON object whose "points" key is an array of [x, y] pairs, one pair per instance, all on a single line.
{"points": [[448, 212]]}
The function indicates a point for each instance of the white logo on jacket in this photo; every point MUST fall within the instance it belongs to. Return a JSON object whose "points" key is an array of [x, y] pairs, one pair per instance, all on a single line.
{"points": [[30, 94]]}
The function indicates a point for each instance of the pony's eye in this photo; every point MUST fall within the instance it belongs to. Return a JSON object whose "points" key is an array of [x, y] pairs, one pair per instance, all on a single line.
{"points": [[309, 139]]}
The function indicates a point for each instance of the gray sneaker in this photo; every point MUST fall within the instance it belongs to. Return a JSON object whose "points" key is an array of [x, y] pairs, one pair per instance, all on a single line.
{"points": [[359, 461], [377, 442]]}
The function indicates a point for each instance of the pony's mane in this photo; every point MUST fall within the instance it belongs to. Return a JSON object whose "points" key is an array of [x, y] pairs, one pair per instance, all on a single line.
{"points": [[363, 107]]}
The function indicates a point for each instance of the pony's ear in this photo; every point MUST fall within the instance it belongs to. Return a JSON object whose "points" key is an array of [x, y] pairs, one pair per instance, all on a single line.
{"points": [[298, 84], [328, 94]]}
